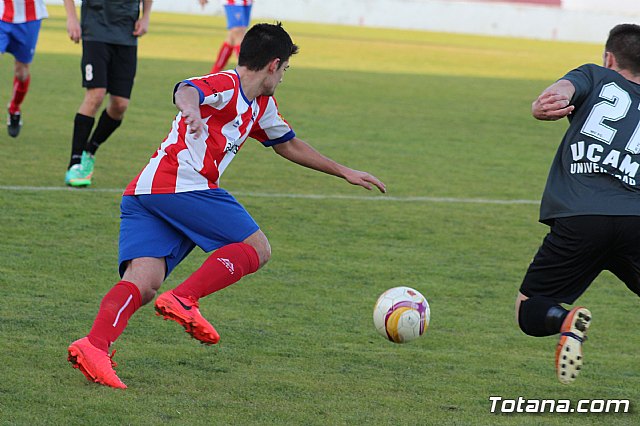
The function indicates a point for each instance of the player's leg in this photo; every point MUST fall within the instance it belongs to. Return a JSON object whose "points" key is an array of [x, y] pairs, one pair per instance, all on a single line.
{"points": [[120, 76], [240, 250], [121, 71], [237, 33], [22, 45], [224, 53], [95, 59], [236, 36], [90, 354], [625, 262], [570, 258], [235, 19], [226, 266], [82, 125], [21, 81], [109, 121], [149, 248]]}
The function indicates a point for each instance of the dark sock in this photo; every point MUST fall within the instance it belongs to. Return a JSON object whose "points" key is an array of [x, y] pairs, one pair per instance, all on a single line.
{"points": [[82, 125], [541, 316], [106, 126]]}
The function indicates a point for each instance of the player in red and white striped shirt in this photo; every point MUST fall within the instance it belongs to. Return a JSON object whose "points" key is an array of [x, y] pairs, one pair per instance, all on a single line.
{"points": [[238, 14], [185, 162], [176, 203], [19, 28]]}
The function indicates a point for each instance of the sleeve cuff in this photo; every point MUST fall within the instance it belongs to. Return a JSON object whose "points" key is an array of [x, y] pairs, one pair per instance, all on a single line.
{"points": [[285, 138]]}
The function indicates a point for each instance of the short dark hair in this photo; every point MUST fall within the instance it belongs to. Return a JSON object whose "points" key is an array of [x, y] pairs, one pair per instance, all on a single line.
{"points": [[624, 43], [264, 43]]}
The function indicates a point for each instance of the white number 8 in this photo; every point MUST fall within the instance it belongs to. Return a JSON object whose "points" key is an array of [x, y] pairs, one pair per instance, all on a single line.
{"points": [[88, 72]]}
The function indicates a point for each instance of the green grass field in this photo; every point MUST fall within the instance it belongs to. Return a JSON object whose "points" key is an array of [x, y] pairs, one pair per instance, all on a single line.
{"points": [[435, 116]]}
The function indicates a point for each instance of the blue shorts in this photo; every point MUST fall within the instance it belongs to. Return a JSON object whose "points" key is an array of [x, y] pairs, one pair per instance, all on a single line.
{"points": [[237, 16], [171, 225], [20, 39]]}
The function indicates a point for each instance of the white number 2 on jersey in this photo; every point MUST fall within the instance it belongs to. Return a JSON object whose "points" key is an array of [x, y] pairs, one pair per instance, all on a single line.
{"points": [[615, 107]]}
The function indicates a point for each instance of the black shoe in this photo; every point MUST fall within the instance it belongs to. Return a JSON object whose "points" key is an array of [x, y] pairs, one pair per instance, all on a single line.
{"points": [[14, 124]]}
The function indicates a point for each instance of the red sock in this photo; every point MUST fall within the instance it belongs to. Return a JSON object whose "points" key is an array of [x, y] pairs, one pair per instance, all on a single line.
{"points": [[224, 267], [223, 56], [116, 308], [236, 50], [20, 89]]}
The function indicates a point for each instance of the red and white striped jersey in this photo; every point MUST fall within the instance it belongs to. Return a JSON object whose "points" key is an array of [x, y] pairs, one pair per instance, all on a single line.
{"points": [[19, 11], [237, 2], [184, 163]]}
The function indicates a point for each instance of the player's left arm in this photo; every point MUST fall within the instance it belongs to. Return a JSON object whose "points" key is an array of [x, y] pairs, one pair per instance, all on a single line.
{"points": [[300, 152], [142, 24], [554, 102]]}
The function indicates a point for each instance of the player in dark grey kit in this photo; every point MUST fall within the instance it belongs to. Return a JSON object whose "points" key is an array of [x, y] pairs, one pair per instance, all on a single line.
{"points": [[592, 197], [109, 31]]}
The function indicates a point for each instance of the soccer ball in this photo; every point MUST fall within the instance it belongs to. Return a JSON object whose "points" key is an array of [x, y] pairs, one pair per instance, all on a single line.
{"points": [[401, 314]]}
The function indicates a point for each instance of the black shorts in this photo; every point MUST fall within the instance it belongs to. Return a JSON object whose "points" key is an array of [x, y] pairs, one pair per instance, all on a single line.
{"points": [[110, 66], [577, 249]]}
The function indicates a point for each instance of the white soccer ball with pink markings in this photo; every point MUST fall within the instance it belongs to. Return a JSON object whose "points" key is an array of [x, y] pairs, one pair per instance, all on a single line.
{"points": [[401, 314]]}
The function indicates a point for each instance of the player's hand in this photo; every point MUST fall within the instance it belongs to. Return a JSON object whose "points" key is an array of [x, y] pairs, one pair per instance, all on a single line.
{"points": [[364, 179], [551, 106], [193, 120], [203, 3], [141, 27], [74, 30]]}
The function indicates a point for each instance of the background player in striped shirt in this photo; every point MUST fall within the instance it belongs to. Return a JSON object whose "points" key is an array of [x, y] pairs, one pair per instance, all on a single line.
{"points": [[19, 28], [238, 14], [176, 203]]}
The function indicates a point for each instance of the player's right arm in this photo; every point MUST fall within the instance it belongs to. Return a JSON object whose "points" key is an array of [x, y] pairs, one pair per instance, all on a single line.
{"points": [[73, 25], [554, 102], [187, 100]]}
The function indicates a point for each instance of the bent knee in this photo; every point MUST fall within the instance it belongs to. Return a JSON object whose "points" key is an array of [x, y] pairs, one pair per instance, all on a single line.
{"points": [[21, 71], [519, 300], [147, 274], [264, 254], [117, 107], [261, 245], [263, 249], [148, 293]]}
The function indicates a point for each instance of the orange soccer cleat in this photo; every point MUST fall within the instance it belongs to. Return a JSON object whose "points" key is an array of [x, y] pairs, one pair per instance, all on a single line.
{"points": [[185, 311], [95, 364], [569, 350]]}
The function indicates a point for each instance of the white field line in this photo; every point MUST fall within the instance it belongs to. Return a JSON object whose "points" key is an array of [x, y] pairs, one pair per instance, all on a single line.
{"points": [[380, 198]]}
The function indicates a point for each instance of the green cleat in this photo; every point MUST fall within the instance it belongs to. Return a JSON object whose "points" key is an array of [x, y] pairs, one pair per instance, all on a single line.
{"points": [[75, 176], [80, 174], [87, 162]]}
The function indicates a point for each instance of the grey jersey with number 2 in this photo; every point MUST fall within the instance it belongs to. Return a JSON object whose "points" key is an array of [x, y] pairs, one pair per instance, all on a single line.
{"points": [[596, 169]]}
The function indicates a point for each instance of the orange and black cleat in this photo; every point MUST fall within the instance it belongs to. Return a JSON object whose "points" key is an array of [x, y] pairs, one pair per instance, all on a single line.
{"points": [[94, 363], [569, 350], [185, 311]]}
